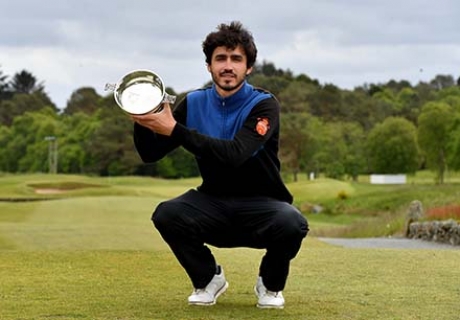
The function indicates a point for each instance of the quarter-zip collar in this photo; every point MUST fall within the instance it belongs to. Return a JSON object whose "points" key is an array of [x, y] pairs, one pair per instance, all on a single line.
{"points": [[235, 100], [205, 107]]}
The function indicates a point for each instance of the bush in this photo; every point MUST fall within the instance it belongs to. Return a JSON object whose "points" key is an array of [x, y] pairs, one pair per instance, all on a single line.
{"points": [[342, 195], [444, 213]]}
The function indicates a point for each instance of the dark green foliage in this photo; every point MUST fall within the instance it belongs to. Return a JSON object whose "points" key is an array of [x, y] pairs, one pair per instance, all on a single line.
{"points": [[324, 128], [25, 82], [83, 100]]}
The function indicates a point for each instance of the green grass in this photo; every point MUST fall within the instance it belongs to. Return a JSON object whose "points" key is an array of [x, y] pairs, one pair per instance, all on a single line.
{"points": [[93, 253], [362, 284], [325, 283]]}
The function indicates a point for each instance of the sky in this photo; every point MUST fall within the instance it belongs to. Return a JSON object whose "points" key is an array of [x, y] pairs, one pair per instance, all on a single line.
{"points": [[70, 44]]}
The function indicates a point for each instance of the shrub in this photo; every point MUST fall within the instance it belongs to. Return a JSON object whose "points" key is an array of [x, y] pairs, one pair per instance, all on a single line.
{"points": [[342, 195], [444, 213]]}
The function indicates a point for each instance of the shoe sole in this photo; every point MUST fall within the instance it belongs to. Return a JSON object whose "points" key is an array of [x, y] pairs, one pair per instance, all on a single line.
{"points": [[218, 293], [269, 306]]}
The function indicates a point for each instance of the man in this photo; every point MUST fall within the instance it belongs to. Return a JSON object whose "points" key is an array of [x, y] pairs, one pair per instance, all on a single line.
{"points": [[232, 129]]}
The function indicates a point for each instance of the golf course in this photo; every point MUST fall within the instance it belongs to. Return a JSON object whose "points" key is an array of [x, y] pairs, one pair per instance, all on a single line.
{"points": [[81, 247]]}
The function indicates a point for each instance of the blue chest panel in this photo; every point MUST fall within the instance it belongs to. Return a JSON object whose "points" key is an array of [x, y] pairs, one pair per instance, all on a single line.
{"points": [[218, 117]]}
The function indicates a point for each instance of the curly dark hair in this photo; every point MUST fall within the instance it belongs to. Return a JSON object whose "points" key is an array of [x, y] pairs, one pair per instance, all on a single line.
{"points": [[230, 36]]}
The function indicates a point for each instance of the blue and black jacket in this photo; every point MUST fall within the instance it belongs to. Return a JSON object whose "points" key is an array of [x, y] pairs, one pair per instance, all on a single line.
{"points": [[234, 156]]}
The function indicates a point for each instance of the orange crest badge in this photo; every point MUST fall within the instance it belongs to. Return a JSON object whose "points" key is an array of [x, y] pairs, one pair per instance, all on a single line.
{"points": [[262, 126]]}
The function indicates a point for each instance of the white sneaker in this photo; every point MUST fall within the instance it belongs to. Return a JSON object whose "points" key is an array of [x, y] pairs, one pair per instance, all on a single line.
{"points": [[267, 298], [208, 296]]}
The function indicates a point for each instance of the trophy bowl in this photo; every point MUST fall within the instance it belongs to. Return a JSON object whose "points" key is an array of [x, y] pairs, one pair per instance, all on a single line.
{"points": [[140, 92]]}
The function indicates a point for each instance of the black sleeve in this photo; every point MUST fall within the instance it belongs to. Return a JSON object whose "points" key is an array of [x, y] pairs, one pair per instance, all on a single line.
{"points": [[245, 143], [152, 146]]}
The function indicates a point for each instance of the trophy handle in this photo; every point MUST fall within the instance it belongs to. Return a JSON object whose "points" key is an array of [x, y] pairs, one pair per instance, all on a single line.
{"points": [[169, 98], [110, 87]]}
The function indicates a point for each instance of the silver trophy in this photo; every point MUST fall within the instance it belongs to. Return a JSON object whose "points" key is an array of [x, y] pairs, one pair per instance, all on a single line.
{"points": [[140, 92]]}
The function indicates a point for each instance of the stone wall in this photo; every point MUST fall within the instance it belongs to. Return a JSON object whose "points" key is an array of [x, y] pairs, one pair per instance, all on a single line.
{"points": [[441, 231]]}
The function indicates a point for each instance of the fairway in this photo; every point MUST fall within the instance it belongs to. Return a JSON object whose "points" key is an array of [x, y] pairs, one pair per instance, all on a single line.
{"points": [[85, 223], [95, 254]]}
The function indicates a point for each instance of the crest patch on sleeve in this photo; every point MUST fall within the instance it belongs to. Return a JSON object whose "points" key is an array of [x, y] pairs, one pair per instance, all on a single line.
{"points": [[262, 126]]}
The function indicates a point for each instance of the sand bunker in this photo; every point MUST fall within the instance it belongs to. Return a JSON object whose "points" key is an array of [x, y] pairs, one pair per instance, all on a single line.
{"points": [[49, 191]]}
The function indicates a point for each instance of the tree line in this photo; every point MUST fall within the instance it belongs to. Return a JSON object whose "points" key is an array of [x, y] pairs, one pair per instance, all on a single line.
{"points": [[392, 127]]}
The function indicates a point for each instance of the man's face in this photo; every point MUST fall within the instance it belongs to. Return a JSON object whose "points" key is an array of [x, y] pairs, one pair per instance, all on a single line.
{"points": [[228, 69]]}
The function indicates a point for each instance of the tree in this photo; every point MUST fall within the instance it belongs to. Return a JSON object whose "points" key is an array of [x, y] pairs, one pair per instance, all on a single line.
{"points": [[360, 108], [25, 148], [442, 81], [434, 132], [5, 136], [327, 103], [25, 82], [330, 154], [453, 144], [397, 86], [354, 161], [425, 92], [451, 96], [294, 98], [306, 79], [184, 164], [340, 150], [5, 92], [20, 103], [392, 147], [372, 89], [268, 69], [73, 146], [110, 148], [409, 104], [273, 84], [83, 100], [298, 141], [7, 112]]}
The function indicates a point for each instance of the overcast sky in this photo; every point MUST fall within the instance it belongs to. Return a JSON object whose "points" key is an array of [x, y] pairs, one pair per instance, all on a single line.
{"points": [[69, 44]]}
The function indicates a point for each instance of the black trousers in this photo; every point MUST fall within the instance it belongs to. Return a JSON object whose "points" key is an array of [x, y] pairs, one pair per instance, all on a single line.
{"points": [[189, 222]]}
